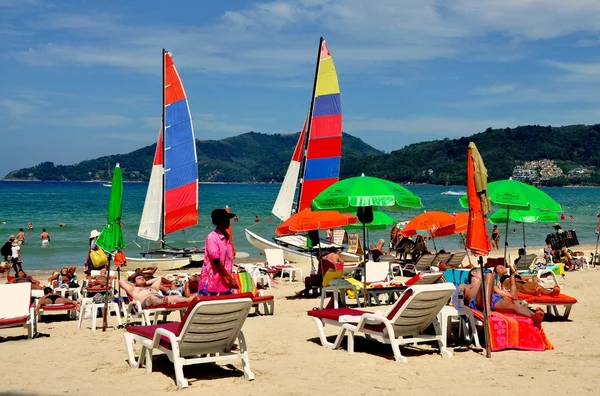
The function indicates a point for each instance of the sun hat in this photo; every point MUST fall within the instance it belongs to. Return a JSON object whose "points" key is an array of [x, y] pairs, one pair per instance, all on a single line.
{"points": [[16, 243], [135, 275], [11, 237], [94, 233], [220, 215]]}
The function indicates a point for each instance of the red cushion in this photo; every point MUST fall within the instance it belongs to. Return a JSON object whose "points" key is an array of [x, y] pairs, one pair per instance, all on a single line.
{"points": [[169, 305], [259, 299], [13, 321], [193, 285], [148, 331], [97, 289], [561, 299], [335, 313], [199, 299], [58, 307]]}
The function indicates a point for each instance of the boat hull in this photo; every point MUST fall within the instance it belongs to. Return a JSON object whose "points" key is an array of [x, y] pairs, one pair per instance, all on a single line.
{"points": [[299, 258], [162, 263]]}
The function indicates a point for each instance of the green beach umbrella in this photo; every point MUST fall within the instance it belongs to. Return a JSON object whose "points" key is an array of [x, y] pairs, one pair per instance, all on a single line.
{"points": [[364, 191], [381, 221], [517, 195], [111, 238], [531, 215], [512, 194]]}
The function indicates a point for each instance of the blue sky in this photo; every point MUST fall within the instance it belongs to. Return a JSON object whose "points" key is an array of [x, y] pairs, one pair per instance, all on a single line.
{"points": [[81, 79]]}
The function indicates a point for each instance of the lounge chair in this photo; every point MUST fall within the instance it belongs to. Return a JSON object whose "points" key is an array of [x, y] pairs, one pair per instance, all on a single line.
{"points": [[276, 259], [403, 323], [206, 334], [525, 262], [457, 259], [424, 263], [20, 312], [442, 258], [151, 313]]}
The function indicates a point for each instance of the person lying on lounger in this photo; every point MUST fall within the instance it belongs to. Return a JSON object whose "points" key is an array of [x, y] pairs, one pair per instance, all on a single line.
{"points": [[22, 277], [98, 280], [497, 299], [53, 298], [529, 285], [148, 292]]}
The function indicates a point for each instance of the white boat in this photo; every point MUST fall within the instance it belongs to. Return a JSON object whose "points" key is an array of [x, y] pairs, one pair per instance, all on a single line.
{"points": [[172, 198], [299, 257], [315, 164], [163, 263]]}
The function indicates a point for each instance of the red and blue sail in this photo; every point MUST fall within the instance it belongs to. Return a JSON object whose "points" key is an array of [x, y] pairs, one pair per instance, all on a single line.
{"points": [[324, 150], [180, 161]]}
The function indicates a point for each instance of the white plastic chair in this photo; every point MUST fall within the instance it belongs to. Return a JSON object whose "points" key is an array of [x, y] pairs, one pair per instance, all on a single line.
{"points": [[19, 312]]}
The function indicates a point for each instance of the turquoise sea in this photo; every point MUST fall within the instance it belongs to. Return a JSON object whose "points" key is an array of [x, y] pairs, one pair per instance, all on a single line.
{"points": [[83, 206]]}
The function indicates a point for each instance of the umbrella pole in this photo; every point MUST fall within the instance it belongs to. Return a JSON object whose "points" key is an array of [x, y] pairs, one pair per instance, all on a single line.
{"points": [[119, 287], [366, 259], [105, 314], [506, 234], [524, 246], [488, 352], [466, 250]]}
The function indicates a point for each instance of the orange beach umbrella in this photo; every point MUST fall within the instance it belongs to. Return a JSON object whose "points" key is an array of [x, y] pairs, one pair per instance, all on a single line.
{"points": [[460, 225], [478, 241], [307, 220], [428, 221]]}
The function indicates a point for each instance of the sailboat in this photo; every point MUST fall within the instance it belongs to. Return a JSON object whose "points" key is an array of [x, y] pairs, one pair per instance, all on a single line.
{"points": [[172, 198], [315, 163]]}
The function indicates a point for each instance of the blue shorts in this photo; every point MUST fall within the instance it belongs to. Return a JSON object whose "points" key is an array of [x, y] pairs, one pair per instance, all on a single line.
{"points": [[495, 299]]}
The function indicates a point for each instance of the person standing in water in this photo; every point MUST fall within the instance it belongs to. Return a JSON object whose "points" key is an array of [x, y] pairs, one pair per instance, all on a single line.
{"points": [[30, 227], [21, 236], [45, 237]]}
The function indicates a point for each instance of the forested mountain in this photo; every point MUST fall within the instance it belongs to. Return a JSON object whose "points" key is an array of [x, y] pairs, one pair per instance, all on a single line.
{"points": [[258, 157], [250, 157]]}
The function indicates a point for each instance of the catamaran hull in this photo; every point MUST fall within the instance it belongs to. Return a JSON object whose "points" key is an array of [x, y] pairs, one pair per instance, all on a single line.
{"points": [[163, 263], [302, 259]]}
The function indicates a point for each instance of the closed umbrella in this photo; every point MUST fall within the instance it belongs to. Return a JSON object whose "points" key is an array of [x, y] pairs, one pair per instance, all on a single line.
{"points": [[111, 238], [478, 241]]}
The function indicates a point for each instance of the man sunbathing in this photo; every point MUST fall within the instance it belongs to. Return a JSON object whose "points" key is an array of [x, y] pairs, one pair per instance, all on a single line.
{"points": [[98, 280], [148, 292], [497, 299]]}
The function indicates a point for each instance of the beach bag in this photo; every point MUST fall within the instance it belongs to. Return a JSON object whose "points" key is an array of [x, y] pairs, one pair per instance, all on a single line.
{"points": [[120, 259], [98, 258]]}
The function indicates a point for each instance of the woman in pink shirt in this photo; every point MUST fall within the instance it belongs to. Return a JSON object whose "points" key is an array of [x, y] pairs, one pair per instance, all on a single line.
{"points": [[215, 277]]}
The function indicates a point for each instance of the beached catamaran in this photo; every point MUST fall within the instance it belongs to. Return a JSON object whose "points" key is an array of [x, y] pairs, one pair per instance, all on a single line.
{"points": [[315, 164], [172, 199]]}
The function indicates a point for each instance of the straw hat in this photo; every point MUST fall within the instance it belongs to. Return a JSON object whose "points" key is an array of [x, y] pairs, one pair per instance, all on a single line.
{"points": [[16, 243], [94, 233], [12, 237]]}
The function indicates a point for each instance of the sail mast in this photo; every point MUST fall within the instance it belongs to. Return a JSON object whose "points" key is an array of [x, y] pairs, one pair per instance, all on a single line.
{"points": [[309, 125], [162, 131]]}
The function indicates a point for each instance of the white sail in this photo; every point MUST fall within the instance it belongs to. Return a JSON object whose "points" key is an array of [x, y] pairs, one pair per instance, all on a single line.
{"points": [[285, 198], [152, 214]]}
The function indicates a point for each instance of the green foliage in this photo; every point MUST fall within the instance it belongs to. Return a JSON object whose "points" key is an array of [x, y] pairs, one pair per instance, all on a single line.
{"points": [[250, 157]]}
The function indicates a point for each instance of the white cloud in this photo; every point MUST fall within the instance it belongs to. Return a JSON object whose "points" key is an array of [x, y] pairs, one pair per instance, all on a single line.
{"points": [[585, 72]]}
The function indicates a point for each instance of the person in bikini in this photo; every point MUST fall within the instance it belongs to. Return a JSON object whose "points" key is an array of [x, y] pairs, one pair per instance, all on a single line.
{"points": [[529, 285], [497, 299], [53, 298], [148, 292]]}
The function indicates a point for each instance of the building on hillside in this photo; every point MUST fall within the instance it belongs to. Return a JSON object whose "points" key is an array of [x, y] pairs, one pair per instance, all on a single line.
{"points": [[523, 174], [579, 172]]}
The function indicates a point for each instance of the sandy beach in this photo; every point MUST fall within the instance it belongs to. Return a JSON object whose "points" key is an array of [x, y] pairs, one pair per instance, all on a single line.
{"points": [[287, 358]]}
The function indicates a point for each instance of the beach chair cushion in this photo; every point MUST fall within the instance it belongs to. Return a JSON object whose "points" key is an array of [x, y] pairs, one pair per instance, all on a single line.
{"points": [[14, 321], [148, 331], [561, 299], [58, 307]]}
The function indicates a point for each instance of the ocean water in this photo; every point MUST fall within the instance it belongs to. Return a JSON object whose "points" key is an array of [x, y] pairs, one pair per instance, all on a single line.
{"points": [[83, 207]]}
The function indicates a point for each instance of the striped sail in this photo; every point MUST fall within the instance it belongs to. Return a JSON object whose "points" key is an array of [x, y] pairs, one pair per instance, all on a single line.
{"points": [[324, 150], [285, 199], [180, 161], [152, 213]]}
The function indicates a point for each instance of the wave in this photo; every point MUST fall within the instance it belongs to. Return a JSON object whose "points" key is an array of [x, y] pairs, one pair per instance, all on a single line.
{"points": [[450, 192]]}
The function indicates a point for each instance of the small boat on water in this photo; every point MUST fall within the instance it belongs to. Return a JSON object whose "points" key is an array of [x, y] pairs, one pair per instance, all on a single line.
{"points": [[315, 163], [172, 198], [450, 192]]}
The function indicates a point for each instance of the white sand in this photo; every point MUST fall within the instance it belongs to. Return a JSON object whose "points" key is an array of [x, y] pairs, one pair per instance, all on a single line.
{"points": [[288, 360]]}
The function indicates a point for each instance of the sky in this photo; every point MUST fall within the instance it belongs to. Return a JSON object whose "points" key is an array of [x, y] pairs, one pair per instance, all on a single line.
{"points": [[82, 79]]}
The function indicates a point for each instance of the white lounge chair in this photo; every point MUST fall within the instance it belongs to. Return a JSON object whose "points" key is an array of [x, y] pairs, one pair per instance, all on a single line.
{"points": [[276, 259], [206, 334], [16, 309], [403, 323]]}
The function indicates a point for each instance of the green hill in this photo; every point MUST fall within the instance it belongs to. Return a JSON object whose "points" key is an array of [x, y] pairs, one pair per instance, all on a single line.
{"points": [[258, 157], [250, 157], [441, 161]]}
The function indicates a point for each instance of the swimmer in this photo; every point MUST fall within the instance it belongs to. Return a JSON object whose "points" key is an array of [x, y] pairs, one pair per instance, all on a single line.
{"points": [[62, 225], [256, 219]]}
